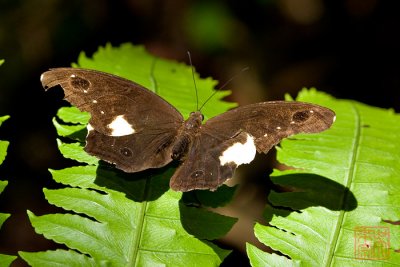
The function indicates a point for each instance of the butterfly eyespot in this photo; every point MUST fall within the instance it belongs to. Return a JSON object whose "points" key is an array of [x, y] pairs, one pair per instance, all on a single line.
{"points": [[300, 116], [197, 174], [79, 83], [175, 156], [126, 152]]}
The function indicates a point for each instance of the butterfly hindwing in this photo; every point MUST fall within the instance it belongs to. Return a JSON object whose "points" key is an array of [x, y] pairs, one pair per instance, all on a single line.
{"points": [[132, 153], [205, 166], [128, 123]]}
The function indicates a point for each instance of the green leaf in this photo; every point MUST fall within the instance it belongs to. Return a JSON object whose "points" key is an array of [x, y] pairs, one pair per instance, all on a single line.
{"points": [[76, 132], [59, 258], [3, 119], [193, 221], [73, 115], [3, 150], [120, 219], [345, 177], [260, 258], [1, 61], [3, 216], [218, 198], [121, 231], [3, 144], [5, 260], [75, 151]]}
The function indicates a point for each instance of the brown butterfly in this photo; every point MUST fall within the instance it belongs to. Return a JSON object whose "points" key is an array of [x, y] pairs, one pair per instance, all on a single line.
{"points": [[135, 129]]}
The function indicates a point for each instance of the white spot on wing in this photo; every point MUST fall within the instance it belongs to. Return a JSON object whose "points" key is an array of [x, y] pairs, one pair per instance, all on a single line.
{"points": [[89, 127], [239, 153], [94, 101], [119, 126], [278, 128], [41, 77], [72, 76]]}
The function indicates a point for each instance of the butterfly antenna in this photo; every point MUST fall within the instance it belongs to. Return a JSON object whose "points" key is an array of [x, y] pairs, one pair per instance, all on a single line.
{"points": [[224, 85], [194, 80]]}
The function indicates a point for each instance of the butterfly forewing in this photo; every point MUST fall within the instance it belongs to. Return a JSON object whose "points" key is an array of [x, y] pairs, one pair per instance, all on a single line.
{"points": [[107, 98], [270, 122]]}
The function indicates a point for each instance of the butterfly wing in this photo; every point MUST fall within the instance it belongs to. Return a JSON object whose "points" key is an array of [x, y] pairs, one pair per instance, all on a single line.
{"points": [[232, 138], [202, 168], [128, 123], [269, 122]]}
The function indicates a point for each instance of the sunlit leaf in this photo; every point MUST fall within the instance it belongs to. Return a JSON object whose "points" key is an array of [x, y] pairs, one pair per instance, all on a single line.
{"points": [[346, 177]]}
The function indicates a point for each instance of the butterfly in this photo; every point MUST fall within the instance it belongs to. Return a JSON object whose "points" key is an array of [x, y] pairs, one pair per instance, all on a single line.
{"points": [[135, 129]]}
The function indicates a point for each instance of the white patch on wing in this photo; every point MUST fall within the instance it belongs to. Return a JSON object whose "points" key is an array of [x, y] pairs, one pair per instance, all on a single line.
{"points": [[239, 153], [89, 127], [120, 127]]}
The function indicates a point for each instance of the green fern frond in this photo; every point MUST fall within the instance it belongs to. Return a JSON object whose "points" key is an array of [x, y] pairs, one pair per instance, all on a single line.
{"points": [[345, 177], [5, 260], [3, 144], [119, 219]]}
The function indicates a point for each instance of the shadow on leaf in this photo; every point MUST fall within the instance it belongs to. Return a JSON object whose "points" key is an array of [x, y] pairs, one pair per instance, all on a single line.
{"points": [[78, 135], [218, 198], [306, 190], [205, 224], [141, 186]]}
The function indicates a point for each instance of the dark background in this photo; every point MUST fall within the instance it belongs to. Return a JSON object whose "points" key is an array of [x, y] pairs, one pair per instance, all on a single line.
{"points": [[347, 48]]}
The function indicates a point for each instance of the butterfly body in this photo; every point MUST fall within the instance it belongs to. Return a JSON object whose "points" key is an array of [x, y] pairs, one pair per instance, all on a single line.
{"points": [[135, 129]]}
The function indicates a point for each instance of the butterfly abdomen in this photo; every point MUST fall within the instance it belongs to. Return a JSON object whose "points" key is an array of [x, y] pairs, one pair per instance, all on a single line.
{"points": [[180, 147], [185, 134]]}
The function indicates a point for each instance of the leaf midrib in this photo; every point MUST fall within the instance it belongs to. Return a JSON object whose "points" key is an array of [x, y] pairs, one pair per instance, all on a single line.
{"points": [[348, 181], [139, 230]]}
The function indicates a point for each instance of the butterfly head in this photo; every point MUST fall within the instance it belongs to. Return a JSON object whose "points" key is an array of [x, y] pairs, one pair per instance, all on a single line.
{"points": [[194, 121]]}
